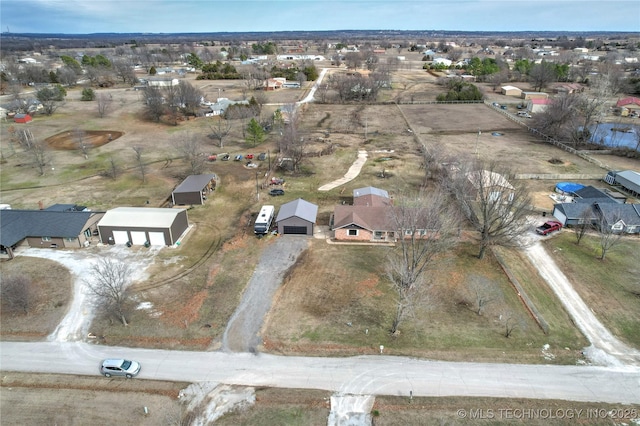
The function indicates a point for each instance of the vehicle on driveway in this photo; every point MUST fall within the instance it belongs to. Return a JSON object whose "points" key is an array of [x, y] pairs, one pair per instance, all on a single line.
{"points": [[249, 156], [276, 181], [212, 157], [549, 227], [238, 157], [119, 367], [262, 156], [276, 192], [224, 157]]}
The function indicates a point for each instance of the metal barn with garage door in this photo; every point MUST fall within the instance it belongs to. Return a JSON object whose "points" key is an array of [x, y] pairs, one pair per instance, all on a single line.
{"points": [[297, 218], [143, 226]]}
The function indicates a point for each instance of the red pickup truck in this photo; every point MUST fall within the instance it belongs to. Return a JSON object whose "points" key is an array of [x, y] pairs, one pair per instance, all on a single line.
{"points": [[549, 227]]}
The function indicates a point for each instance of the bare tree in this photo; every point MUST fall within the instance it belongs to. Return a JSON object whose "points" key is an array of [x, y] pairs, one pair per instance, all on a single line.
{"points": [[103, 102], [610, 236], [141, 166], [123, 68], [509, 323], [496, 206], [15, 292], [483, 292], [79, 136], [426, 228], [154, 102], [584, 222], [191, 150], [108, 282], [112, 169], [40, 155], [560, 117], [220, 129]]}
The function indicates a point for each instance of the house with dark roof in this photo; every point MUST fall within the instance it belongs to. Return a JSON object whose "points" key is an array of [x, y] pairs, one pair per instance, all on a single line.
{"points": [[297, 217], [599, 208], [619, 218], [46, 229], [194, 189]]}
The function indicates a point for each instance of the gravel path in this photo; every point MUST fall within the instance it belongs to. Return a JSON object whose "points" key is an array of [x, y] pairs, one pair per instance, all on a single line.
{"points": [[605, 348], [243, 330]]}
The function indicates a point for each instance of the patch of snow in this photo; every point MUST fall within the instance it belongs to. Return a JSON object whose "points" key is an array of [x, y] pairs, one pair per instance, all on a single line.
{"points": [[351, 410], [145, 305], [75, 324], [208, 401]]}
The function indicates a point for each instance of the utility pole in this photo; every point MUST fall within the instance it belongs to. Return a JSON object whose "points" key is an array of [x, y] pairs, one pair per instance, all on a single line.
{"points": [[257, 188]]}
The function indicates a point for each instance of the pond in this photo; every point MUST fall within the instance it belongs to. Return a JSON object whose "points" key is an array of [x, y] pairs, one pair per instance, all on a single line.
{"points": [[616, 135]]}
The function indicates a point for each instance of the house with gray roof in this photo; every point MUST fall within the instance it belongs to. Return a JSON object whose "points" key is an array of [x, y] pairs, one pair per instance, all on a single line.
{"points": [[629, 181], [297, 217], [46, 229], [599, 208], [619, 218], [194, 189]]}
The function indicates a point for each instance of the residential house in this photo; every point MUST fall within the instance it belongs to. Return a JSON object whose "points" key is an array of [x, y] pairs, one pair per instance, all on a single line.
{"points": [[369, 218], [619, 218], [55, 227]]}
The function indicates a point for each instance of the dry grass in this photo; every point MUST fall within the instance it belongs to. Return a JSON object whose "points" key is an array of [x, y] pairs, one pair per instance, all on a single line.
{"points": [[202, 280]]}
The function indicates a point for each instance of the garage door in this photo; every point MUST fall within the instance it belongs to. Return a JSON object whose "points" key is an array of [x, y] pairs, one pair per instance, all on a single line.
{"points": [[120, 237], [157, 239], [298, 230], [138, 238]]}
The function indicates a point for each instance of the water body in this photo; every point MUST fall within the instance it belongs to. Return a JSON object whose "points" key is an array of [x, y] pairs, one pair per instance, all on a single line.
{"points": [[616, 135]]}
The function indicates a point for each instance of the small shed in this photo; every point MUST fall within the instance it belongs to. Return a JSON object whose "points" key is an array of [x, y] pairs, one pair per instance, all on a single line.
{"points": [[297, 217], [511, 91], [22, 118], [537, 105], [194, 189], [534, 95], [142, 225]]}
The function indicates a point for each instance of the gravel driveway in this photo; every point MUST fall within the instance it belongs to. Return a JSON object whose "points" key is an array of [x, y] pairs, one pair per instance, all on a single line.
{"points": [[243, 330], [605, 348]]}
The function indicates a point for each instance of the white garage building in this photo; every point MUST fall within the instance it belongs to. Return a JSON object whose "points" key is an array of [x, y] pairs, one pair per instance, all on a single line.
{"points": [[141, 225]]}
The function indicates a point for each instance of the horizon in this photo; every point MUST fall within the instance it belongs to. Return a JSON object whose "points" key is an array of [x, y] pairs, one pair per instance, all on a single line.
{"points": [[78, 17]]}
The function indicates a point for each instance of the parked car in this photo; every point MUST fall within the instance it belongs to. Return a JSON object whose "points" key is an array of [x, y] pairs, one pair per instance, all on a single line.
{"points": [[276, 192], [212, 157], [262, 156], [524, 114], [276, 181], [119, 367], [549, 227], [503, 107], [238, 157], [224, 157], [249, 156]]}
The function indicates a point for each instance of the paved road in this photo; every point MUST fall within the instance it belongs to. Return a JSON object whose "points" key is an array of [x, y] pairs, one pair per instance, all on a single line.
{"points": [[368, 375]]}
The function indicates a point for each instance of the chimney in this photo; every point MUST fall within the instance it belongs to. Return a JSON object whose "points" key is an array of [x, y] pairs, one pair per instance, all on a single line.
{"points": [[40, 205]]}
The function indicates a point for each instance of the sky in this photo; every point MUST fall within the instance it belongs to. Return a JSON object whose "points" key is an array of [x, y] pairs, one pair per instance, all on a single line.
{"points": [[173, 16]]}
